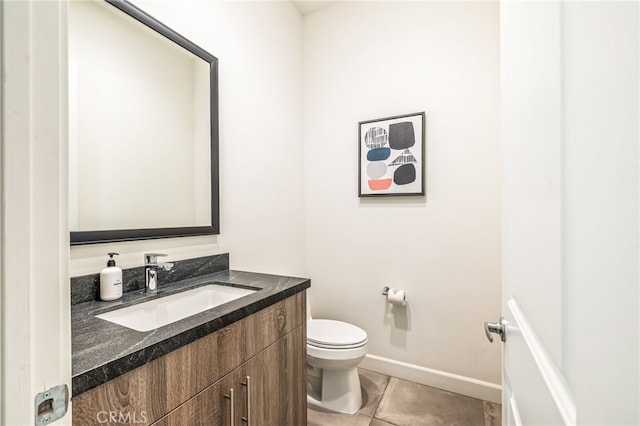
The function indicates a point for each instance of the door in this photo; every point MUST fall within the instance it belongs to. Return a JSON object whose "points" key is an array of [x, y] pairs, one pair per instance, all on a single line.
{"points": [[277, 383], [35, 298], [215, 405], [569, 75]]}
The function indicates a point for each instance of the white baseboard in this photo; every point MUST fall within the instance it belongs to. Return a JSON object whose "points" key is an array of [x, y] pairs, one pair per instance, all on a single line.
{"points": [[438, 379]]}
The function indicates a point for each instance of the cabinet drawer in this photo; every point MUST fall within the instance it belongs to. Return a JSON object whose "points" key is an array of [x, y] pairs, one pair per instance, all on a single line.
{"points": [[152, 390]]}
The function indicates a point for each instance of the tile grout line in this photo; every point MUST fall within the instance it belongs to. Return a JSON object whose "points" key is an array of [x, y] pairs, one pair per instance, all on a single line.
{"points": [[375, 410]]}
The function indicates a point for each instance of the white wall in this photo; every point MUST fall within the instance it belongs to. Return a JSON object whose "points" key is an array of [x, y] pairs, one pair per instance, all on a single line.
{"points": [[371, 60], [259, 48]]}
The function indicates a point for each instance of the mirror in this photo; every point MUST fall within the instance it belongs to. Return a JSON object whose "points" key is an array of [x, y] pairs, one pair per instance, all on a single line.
{"points": [[143, 128]]}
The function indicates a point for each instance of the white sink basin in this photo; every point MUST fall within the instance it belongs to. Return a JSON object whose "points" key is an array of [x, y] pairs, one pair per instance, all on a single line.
{"points": [[165, 310]]}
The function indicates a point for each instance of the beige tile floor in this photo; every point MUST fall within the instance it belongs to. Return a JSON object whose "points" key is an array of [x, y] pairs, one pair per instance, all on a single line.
{"points": [[389, 401]]}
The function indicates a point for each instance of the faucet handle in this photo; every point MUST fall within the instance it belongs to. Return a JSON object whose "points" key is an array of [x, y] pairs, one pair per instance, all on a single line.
{"points": [[152, 257]]}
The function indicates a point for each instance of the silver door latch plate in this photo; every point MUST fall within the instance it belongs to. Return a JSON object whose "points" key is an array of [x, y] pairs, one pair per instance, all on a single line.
{"points": [[51, 405]]}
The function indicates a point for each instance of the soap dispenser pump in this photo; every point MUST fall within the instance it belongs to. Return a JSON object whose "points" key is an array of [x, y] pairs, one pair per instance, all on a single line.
{"points": [[111, 280]]}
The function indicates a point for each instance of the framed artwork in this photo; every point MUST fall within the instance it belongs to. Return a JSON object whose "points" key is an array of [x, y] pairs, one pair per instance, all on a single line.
{"points": [[391, 156]]}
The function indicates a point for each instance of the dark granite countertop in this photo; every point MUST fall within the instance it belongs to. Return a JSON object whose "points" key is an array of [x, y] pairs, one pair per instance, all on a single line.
{"points": [[102, 350]]}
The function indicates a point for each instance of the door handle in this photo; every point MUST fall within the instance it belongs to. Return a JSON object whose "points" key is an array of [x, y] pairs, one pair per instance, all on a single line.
{"points": [[498, 328], [247, 384], [231, 399]]}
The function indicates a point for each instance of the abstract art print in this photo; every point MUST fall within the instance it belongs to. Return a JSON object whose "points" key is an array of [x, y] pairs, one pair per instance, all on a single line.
{"points": [[391, 152]]}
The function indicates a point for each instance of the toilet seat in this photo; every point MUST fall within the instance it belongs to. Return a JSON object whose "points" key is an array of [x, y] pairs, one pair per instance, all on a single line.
{"points": [[332, 334]]}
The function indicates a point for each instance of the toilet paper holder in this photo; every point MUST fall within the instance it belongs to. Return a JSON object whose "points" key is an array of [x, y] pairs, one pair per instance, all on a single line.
{"points": [[394, 296]]}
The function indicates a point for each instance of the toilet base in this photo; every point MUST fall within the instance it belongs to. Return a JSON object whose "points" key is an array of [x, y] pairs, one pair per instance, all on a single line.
{"points": [[341, 392]]}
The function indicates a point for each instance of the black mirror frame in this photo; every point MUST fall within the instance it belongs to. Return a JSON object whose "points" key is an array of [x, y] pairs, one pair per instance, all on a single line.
{"points": [[93, 237]]}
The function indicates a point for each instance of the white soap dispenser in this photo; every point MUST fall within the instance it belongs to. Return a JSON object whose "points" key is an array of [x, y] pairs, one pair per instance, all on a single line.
{"points": [[111, 280]]}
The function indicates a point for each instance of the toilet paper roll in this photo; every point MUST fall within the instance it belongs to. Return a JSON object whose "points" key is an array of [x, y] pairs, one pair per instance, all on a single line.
{"points": [[397, 297]]}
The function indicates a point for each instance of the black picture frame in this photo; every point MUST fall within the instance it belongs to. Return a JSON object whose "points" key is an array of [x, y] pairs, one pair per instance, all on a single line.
{"points": [[391, 156]]}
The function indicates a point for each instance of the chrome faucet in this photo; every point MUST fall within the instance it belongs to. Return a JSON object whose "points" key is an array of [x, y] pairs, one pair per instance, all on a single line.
{"points": [[151, 266]]}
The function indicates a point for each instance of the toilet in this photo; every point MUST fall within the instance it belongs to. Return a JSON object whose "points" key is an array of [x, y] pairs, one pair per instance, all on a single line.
{"points": [[334, 350]]}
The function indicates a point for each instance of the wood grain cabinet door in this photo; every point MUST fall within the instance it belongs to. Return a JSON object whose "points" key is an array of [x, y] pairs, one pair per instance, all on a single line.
{"points": [[276, 391], [216, 405]]}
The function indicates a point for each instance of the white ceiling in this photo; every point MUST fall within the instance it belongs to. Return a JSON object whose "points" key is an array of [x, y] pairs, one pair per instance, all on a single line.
{"points": [[309, 6]]}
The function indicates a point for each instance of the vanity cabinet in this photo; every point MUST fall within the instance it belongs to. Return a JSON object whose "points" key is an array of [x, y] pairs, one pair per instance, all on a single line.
{"points": [[191, 385]]}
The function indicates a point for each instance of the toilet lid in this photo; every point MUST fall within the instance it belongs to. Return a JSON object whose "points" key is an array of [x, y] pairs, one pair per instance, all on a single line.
{"points": [[334, 334]]}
